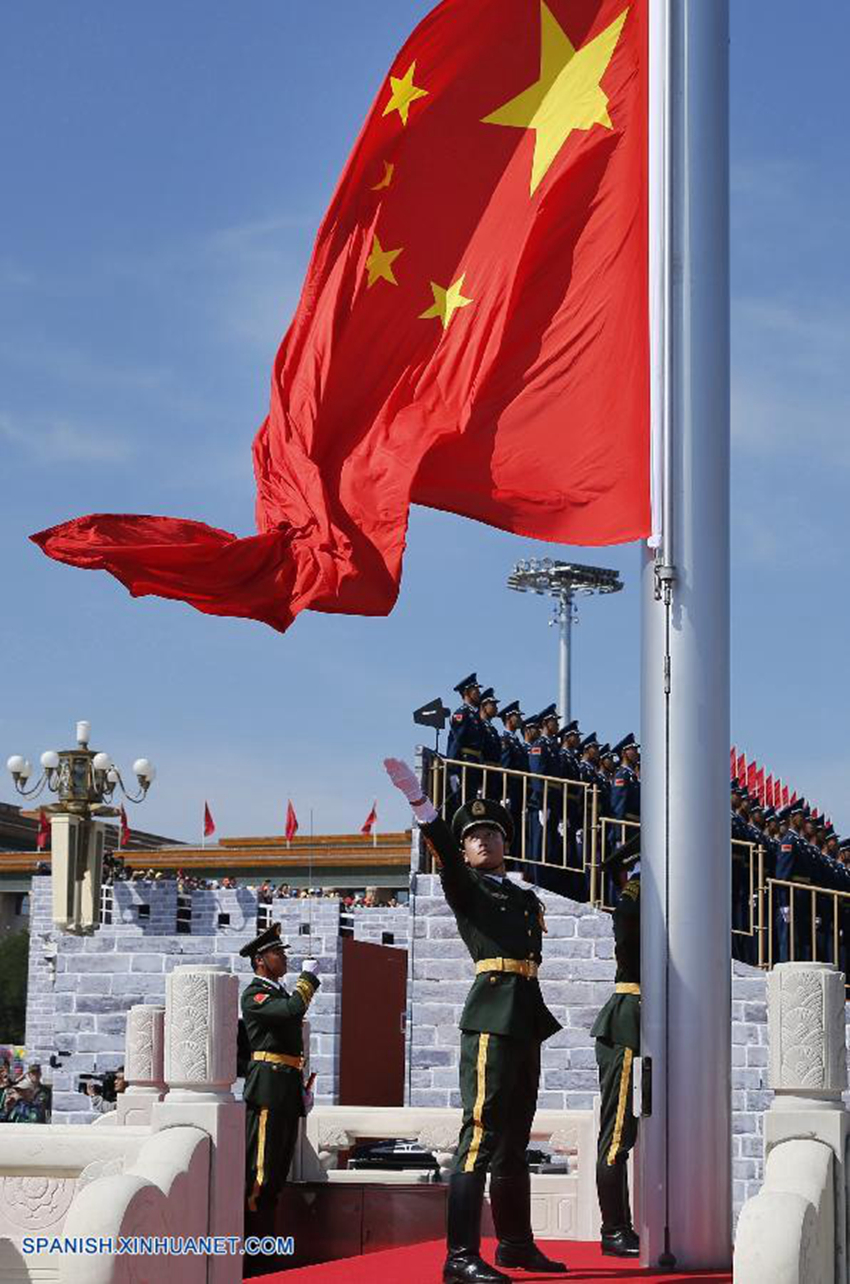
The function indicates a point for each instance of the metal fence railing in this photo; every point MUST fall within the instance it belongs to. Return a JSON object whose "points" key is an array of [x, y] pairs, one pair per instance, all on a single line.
{"points": [[562, 840]]}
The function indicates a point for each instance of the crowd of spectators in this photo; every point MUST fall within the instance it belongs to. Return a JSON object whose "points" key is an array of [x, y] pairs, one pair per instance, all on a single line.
{"points": [[267, 892], [24, 1099]]}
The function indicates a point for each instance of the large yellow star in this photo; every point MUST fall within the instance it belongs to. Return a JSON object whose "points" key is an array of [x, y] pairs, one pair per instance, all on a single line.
{"points": [[403, 92], [446, 302], [379, 264], [567, 96]]}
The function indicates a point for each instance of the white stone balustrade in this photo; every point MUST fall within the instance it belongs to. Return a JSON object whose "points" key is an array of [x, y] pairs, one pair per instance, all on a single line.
{"points": [[795, 1230], [144, 1062], [201, 1016]]}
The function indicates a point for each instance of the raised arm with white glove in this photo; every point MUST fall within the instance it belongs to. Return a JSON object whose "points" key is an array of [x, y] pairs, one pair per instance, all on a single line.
{"points": [[404, 778], [310, 965]]}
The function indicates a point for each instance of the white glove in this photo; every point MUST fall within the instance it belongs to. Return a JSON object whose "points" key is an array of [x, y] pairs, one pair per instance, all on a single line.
{"points": [[404, 779], [310, 965]]}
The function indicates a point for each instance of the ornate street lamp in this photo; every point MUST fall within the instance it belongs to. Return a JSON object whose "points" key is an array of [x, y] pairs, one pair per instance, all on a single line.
{"points": [[85, 783]]}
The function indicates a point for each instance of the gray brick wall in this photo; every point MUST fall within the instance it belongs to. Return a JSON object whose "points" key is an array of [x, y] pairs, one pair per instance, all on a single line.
{"points": [[80, 988]]}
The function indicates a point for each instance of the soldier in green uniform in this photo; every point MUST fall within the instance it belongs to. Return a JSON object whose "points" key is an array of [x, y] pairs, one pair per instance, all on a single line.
{"points": [[274, 1082], [503, 1024], [617, 1034]]}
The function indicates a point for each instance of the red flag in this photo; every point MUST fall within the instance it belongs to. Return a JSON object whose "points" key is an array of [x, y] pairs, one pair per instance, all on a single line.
{"points": [[291, 822], [741, 773], [209, 823], [370, 819], [768, 791], [759, 780], [793, 798], [480, 273], [42, 840], [732, 761], [125, 833], [786, 796], [752, 770]]}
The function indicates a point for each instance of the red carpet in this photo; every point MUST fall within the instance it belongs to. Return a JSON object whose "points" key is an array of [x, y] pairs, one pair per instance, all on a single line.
{"points": [[422, 1264]]}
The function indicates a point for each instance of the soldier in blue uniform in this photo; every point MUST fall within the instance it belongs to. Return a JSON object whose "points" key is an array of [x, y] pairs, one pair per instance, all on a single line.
{"points": [[536, 760], [793, 864], [466, 745], [570, 737], [843, 857], [494, 781], [513, 757], [554, 845], [625, 789]]}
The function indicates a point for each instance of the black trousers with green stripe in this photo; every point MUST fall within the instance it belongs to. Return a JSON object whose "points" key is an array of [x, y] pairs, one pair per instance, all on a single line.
{"points": [[270, 1137], [499, 1077], [617, 1123]]}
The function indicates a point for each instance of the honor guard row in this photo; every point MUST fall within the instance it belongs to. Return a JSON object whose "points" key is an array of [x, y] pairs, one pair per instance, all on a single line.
{"points": [[802, 851]]}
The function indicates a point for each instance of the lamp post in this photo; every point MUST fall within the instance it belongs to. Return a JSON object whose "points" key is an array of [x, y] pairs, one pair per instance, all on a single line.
{"points": [[563, 581], [84, 782]]}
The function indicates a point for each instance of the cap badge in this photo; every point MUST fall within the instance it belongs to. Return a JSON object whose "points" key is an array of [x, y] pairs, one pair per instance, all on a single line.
{"points": [[478, 808]]}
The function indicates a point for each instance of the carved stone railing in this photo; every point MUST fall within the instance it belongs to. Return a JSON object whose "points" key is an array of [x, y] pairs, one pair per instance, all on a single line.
{"points": [[179, 1173], [795, 1229], [564, 1205]]}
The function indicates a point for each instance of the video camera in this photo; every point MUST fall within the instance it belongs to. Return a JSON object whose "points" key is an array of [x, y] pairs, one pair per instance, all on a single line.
{"points": [[104, 1082]]}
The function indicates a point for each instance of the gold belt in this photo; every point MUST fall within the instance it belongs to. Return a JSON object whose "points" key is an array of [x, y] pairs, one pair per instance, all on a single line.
{"points": [[627, 987], [471, 753], [525, 967], [279, 1059]]}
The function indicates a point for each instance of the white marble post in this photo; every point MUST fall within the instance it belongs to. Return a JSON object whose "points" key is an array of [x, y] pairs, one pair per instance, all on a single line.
{"points": [[144, 1056], [808, 1070], [201, 1015]]}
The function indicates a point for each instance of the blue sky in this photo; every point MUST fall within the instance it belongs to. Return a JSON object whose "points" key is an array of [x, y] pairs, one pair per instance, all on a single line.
{"points": [[165, 170]]}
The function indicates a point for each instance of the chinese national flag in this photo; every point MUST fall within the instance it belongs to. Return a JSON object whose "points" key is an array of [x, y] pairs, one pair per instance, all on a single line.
{"points": [[472, 333], [209, 823], [125, 833], [42, 840], [370, 819], [752, 772], [732, 761], [741, 773], [759, 779], [786, 796], [291, 822], [767, 797]]}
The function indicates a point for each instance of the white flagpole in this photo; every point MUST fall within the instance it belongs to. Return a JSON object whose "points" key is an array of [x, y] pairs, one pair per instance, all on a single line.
{"points": [[685, 1145]]}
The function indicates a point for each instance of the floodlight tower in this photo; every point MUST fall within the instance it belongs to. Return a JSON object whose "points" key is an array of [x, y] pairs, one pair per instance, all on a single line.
{"points": [[563, 581]]}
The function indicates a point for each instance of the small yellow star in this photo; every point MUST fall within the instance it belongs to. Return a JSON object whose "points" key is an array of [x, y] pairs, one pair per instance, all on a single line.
{"points": [[446, 302], [568, 94], [379, 264], [389, 170], [403, 93]]}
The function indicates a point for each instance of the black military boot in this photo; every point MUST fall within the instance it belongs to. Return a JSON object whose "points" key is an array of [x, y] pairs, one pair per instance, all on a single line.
{"points": [[464, 1264], [618, 1237], [510, 1202]]}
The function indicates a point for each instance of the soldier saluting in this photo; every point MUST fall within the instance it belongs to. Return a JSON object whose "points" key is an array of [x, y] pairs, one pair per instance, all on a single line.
{"points": [[503, 1024], [274, 1085]]}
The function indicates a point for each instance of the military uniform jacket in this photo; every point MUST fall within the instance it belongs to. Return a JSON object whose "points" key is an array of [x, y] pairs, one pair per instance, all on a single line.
{"points": [[492, 743], [496, 919], [513, 753], [273, 1022], [625, 794], [619, 1020], [466, 735]]}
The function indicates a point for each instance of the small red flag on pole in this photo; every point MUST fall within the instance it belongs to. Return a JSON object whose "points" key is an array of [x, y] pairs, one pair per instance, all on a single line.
{"points": [[741, 773], [732, 763], [370, 819], [43, 838], [291, 821], [768, 791], [209, 823], [124, 833], [752, 770]]}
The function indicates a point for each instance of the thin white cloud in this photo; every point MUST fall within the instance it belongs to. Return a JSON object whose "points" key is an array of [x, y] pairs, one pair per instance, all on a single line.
{"points": [[58, 441]]}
